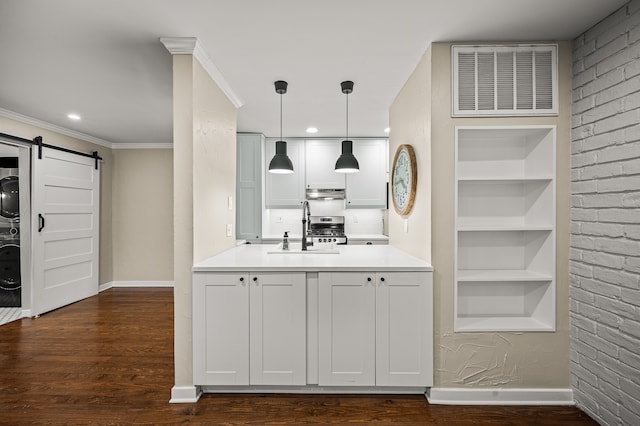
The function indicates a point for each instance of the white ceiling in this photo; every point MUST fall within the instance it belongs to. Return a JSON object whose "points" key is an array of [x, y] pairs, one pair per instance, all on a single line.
{"points": [[104, 61]]}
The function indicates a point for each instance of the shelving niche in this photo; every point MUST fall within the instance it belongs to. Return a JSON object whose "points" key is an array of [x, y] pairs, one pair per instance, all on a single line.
{"points": [[505, 229]]}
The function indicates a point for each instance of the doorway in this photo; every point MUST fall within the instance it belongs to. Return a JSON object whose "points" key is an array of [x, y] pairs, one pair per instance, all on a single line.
{"points": [[14, 231]]}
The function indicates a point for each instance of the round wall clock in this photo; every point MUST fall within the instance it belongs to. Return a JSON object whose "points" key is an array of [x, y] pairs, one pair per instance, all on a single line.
{"points": [[404, 179]]}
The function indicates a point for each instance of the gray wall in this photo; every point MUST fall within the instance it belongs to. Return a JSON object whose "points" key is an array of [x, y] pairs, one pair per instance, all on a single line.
{"points": [[605, 235]]}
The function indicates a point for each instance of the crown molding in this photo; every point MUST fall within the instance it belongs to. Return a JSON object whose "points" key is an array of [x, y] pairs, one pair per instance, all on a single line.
{"points": [[54, 128], [191, 46], [142, 146]]}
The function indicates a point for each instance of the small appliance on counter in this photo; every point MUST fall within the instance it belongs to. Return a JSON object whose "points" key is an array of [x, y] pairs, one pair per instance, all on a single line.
{"points": [[327, 231]]}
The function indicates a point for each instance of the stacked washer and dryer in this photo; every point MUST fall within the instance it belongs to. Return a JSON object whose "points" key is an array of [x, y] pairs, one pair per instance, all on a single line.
{"points": [[10, 282]]}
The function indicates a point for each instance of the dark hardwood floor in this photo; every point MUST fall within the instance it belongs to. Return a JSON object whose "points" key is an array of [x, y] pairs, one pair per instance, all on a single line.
{"points": [[109, 360]]}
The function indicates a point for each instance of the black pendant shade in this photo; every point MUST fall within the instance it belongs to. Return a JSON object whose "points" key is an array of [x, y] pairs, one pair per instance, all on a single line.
{"points": [[347, 162], [280, 163]]}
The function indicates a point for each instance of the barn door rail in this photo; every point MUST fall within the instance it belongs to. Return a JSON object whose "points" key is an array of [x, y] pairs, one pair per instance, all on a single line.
{"points": [[38, 142]]}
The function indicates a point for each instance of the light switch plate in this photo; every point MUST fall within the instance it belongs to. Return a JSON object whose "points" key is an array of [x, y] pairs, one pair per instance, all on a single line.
{"points": [[229, 230], [230, 202]]}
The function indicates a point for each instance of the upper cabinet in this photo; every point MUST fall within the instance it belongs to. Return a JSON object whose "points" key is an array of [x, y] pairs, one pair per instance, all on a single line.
{"points": [[314, 167], [368, 187], [321, 156], [249, 186], [285, 190]]}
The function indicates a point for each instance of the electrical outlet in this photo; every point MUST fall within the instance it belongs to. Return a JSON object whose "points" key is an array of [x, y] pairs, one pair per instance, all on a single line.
{"points": [[229, 230], [230, 201], [279, 219]]}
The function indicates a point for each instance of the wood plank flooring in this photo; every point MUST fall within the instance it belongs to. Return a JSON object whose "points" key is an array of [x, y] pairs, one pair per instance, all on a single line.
{"points": [[109, 360]]}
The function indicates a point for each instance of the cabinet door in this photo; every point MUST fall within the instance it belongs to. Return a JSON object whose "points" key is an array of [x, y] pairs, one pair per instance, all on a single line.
{"points": [[249, 187], [321, 163], [220, 329], [404, 329], [346, 333], [368, 187], [285, 190], [278, 329]]}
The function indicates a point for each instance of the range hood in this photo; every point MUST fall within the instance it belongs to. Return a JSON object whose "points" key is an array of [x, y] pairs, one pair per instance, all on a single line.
{"points": [[325, 194]]}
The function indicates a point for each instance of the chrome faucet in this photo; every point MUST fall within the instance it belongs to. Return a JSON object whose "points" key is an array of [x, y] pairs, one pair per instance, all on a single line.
{"points": [[306, 221]]}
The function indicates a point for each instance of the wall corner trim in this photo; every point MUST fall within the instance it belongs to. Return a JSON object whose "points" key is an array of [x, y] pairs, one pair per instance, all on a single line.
{"points": [[500, 396], [185, 394], [191, 46]]}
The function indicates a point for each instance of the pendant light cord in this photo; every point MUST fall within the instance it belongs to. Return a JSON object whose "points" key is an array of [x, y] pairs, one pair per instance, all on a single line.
{"points": [[280, 116], [347, 116]]}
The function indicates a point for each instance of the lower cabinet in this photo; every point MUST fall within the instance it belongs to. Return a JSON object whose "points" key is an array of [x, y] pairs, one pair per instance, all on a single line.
{"points": [[249, 329], [375, 329]]}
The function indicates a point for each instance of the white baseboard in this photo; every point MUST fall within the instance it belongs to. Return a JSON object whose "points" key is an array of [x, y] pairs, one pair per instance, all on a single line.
{"points": [[26, 313], [185, 394], [114, 284], [500, 396]]}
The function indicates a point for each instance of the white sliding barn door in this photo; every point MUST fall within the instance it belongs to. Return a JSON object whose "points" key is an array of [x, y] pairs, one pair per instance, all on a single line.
{"points": [[65, 225]]}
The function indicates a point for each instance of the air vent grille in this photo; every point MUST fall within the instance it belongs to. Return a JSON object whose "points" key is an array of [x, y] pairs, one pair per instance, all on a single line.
{"points": [[505, 80]]}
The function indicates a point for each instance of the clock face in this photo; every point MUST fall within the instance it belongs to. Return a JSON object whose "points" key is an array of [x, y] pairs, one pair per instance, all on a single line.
{"points": [[404, 179]]}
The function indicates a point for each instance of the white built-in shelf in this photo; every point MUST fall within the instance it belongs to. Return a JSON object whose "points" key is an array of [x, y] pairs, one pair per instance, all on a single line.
{"points": [[505, 229], [496, 275]]}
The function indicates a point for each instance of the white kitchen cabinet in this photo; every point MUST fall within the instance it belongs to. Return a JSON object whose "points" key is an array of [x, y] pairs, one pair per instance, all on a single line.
{"points": [[505, 229], [375, 329], [321, 157], [368, 187], [285, 190], [249, 329], [249, 186]]}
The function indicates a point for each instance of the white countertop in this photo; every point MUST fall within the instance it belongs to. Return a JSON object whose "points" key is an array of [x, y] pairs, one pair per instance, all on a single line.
{"points": [[256, 257]]}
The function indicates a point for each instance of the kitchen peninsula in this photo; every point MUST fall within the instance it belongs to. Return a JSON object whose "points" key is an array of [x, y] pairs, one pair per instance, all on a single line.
{"points": [[353, 319]]}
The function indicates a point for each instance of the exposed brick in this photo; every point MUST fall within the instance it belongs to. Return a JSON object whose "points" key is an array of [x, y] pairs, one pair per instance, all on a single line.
{"points": [[631, 102], [629, 417], [598, 287], [576, 121], [602, 229], [613, 20], [619, 152], [602, 345], [619, 246], [632, 232], [581, 295], [618, 184], [615, 306], [632, 134], [578, 241], [618, 215], [618, 121], [617, 277], [601, 171], [632, 359], [629, 387], [584, 323], [584, 349], [602, 200], [614, 61], [631, 296], [603, 82], [582, 132], [584, 215], [576, 201], [582, 49], [603, 111], [604, 139], [584, 187], [598, 315], [630, 403], [618, 91], [632, 264], [583, 78], [606, 51], [603, 259], [631, 167], [621, 340]]}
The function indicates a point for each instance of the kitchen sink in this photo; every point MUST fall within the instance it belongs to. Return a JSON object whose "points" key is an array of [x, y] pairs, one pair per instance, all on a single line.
{"points": [[296, 248]]}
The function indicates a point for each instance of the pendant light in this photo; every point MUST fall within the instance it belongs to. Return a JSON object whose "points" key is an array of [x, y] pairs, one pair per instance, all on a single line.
{"points": [[280, 163], [347, 163]]}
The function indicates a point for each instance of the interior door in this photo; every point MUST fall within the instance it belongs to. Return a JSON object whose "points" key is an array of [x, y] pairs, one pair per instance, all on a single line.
{"points": [[65, 225]]}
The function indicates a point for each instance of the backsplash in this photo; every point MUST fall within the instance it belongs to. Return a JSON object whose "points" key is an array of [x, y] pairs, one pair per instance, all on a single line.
{"points": [[357, 221]]}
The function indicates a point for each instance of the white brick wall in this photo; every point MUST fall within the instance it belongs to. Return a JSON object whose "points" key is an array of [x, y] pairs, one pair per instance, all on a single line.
{"points": [[605, 228]]}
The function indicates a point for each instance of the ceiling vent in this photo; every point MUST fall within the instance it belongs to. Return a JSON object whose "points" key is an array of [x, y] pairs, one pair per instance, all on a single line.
{"points": [[505, 80]]}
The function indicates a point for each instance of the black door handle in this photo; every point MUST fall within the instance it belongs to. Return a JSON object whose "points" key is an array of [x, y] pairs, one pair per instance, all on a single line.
{"points": [[41, 222]]}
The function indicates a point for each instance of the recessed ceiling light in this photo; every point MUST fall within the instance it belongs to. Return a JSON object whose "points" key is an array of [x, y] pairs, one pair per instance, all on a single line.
{"points": [[387, 130], [73, 116], [312, 130]]}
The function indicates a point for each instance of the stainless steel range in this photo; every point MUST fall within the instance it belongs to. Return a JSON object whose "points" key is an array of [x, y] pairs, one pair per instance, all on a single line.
{"points": [[327, 230]]}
